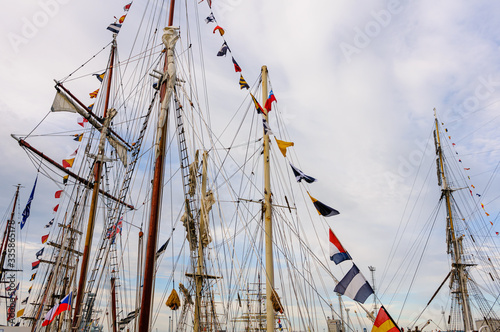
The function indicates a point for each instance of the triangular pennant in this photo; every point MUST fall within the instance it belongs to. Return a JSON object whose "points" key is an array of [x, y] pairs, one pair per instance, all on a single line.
{"points": [[243, 83], [323, 209], [282, 145]]}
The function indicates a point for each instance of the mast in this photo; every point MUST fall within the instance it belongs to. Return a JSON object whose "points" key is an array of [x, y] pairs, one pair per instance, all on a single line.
{"points": [[7, 232], [199, 277], [268, 217], [167, 84], [95, 193], [454, 243]]}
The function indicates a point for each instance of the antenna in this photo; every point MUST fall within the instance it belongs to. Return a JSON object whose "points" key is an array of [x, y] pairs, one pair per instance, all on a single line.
{"points": [[372, 270]]}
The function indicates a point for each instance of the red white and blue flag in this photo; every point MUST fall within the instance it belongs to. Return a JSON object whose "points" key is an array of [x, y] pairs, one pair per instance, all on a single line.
{"points": [[337, 252], [58, 309]]}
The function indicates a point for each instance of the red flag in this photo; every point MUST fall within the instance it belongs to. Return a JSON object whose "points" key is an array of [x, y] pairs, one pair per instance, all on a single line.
{"points": [[127, 7], [44, 238], [58, 193], [269, 101], [34, 265], [56, 208]]}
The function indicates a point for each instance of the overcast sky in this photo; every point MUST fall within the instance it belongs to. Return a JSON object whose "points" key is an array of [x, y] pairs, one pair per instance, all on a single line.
{"points": [[357, 82]]}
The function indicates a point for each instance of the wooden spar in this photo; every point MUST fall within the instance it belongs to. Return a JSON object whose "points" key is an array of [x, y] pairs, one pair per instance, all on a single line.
{"points": [[95, 195], [7, 232], [100, 120], [268, 216], [89, 184], [458, 266], [156, 195]]}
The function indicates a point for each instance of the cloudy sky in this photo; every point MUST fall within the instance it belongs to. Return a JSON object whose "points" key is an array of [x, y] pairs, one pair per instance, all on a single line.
{"points": [[356, 81]]}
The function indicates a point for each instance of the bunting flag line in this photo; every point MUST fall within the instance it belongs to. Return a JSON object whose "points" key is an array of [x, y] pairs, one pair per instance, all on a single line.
{"points": [[243, 83], [26, 212], [223, 50], [68, 163], [58, 309], [35, 265], [78, 137], [58, 194], [237, 68], [114, 28], [354, 285], [65, 179], [44, 238], [221, 31], [299, 175], [323, 209], [269, 101], [127, 7], [162, 248], [210, 18], [39, 253], [283, 145], [337, 253], [267, 129], [100, 77], [384, 322], [94, 94]]}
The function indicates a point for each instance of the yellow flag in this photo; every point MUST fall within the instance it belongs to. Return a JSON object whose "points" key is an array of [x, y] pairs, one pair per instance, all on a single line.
{"points": [[20, 312], [283, 145]]}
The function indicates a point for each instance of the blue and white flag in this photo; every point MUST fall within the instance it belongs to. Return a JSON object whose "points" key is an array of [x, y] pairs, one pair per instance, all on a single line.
{"points": [[114, 27], [50, 223], [354, 285], [267, 129], [210, 18], [299, 175], [223, 50], [26, 212], [39, 253]]}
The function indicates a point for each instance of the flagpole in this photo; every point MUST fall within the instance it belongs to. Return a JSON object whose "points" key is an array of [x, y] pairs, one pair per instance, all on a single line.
{"points": [[270, 320]]}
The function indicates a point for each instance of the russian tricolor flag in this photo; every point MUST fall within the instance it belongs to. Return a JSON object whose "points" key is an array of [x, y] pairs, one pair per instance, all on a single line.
{"points": [[337, 252], [58, 309]]}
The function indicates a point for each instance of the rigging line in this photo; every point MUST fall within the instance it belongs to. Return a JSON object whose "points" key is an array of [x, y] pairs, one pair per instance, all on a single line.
{"points": [[64, 79], [37, 125], [417, 267], [396, 243]]}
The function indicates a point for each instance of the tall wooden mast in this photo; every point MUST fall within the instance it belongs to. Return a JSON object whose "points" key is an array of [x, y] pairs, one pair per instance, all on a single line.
{"points": [[454, 243], [268, 217], [167, 85], [95, 194]]}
